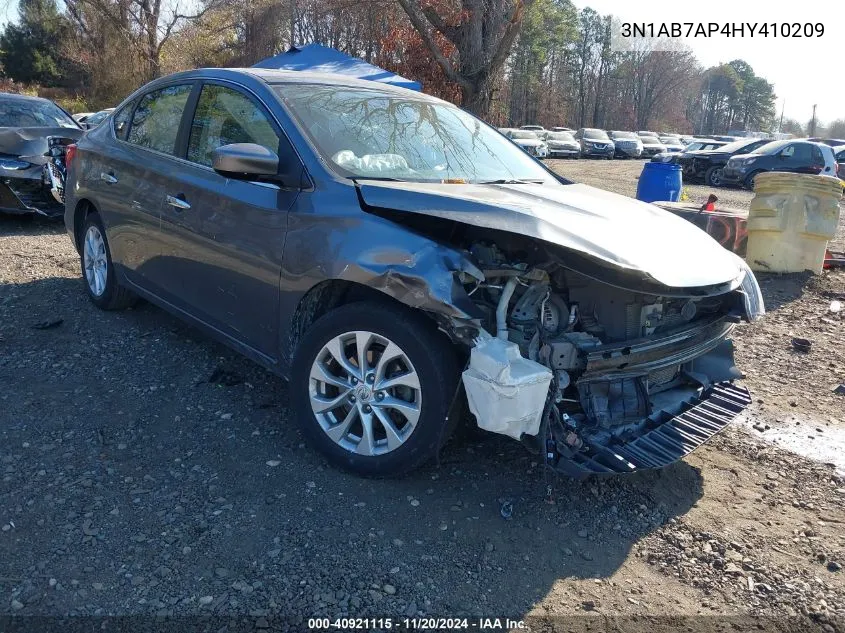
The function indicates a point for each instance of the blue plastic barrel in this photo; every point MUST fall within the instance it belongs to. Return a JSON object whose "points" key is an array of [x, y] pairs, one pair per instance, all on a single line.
{"points": [[660, 181]]}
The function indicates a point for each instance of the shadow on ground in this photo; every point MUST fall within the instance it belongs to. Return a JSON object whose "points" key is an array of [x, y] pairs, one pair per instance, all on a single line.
{"points": [[141, 486], [29, 224]]}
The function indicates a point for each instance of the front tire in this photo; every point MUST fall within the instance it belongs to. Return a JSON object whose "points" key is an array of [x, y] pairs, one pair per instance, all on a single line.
{"points": [[371, 387], [749, 180], [713, 177], [97, 268]]}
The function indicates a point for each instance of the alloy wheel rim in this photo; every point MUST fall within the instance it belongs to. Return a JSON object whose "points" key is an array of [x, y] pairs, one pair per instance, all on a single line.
{"points": [[716, 178], [95, 261], [365, 393]]}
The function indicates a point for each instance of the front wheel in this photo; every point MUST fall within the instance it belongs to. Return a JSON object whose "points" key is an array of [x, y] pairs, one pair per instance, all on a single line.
{"points": [[371, 387], [713, 177], [749, 180]]}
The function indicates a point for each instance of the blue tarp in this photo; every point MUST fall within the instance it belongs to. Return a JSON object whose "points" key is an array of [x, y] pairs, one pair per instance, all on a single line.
{"points": [[321, 59]]}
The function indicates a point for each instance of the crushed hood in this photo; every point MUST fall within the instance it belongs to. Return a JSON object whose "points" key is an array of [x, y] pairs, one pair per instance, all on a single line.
{"points": [[32, 141], [621, 231]]}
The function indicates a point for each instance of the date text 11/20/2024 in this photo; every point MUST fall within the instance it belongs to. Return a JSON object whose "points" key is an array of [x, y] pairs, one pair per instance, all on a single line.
{"points": [[415, 624]]}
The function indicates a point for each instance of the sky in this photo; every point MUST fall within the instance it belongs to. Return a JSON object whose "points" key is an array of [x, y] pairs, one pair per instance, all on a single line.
{"points": [[803, 71]]}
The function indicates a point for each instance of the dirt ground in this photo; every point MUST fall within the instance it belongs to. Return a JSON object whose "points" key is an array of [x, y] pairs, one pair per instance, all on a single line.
{"points": [[132, 485]]}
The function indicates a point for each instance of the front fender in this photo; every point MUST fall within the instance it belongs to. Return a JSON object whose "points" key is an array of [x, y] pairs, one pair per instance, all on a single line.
{"points": [[373, 251]]}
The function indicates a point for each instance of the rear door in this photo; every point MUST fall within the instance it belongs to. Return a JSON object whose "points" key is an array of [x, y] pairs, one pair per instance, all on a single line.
{"points": [[230, 272], [132, 175]]}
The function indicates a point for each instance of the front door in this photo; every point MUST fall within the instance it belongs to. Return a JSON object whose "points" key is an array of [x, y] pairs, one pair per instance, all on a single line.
{"points": [[229, 275]]}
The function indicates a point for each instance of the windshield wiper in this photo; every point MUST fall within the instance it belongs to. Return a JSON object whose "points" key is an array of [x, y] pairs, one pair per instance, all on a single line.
{"points": [[383, 178], [511, 181]]}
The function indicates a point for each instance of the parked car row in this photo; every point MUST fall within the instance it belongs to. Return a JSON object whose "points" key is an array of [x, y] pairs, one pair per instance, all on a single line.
{"points": [[738, 163], [593, 142]]}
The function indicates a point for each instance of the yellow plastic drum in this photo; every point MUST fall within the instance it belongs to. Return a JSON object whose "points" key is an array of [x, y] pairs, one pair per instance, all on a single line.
{"points": [[791, 219]]}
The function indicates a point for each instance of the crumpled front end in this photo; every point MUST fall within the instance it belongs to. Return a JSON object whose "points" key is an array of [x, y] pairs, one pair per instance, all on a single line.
{"points": [[27, 188], [599, 378]]}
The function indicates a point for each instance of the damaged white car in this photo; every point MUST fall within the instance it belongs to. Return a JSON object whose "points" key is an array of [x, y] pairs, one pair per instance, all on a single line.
{"points": [[395, 257]]}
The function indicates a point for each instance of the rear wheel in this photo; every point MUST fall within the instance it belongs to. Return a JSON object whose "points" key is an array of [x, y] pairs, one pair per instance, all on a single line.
{"points": [[97, 269], [713, 177], [371, 387]]}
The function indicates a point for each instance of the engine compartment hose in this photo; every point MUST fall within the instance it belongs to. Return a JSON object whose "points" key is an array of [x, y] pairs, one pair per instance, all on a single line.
{"points": [[502, 309]]}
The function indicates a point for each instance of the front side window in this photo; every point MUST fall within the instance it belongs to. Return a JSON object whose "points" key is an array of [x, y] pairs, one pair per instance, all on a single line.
{"points": [[226, 116], [363, 132], [155, 123]]}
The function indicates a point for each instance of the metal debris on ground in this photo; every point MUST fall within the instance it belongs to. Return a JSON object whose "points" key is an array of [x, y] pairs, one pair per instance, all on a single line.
{"points": [[48, 325], [224, 377], [802, 344], [506, 510]]}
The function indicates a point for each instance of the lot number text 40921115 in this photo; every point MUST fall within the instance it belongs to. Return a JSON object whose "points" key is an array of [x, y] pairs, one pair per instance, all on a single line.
{"points": [[415, 624]]}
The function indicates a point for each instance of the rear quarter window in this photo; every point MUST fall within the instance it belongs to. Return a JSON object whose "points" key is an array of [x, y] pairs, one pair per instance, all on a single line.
{"points": [[156, 120], [120, 121]]}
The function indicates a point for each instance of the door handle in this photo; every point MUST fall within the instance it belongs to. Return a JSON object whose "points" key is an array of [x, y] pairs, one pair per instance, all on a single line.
{"points": [[109, 178], [178, 203]]}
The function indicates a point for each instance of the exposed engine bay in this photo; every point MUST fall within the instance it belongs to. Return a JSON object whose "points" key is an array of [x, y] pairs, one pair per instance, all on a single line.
{"points": [[577, 368]]}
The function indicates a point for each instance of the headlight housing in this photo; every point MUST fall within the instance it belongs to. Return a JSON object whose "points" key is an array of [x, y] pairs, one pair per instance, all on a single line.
{"points": [[752, 295]]}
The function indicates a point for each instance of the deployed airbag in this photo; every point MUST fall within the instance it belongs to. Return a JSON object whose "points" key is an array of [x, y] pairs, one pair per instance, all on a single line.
{"points": [[506, 392]]}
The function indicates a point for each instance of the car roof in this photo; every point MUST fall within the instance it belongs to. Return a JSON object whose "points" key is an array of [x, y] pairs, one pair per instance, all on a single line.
{"points": [[271, 77], [20, 97]]}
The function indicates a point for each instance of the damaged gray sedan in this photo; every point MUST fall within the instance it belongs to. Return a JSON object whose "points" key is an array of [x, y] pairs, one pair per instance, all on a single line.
{"points": [[396, 258]]}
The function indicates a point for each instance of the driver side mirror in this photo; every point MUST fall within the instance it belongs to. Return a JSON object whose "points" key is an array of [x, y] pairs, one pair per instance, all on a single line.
{"points": [[245, 161]]}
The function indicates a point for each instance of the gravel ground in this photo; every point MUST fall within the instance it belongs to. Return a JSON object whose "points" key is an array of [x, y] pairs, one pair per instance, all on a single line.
{"points": [[149, 471]]}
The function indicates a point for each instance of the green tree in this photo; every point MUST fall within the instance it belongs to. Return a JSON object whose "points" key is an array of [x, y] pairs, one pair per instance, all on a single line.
{"points": [[30, 51]]}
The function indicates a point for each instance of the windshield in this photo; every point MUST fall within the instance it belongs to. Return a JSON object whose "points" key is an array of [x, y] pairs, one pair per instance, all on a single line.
{"points": [[735, 146], [771, 148], [33, 113], [595, 134], [623, 135], [561, 136], [370, 134]]}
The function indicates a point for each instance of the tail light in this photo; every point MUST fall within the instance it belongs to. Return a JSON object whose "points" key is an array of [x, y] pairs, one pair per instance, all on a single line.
{"points": [[70, 154]]}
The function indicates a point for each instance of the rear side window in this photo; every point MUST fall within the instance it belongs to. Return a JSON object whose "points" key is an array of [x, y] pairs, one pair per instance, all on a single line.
{"points": [[155, 123], [121, 120], [224, 116]]}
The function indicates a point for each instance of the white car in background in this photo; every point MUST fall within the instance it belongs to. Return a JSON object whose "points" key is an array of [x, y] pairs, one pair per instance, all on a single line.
{"points": [[529, 142], [651, 145], [672, 143]]}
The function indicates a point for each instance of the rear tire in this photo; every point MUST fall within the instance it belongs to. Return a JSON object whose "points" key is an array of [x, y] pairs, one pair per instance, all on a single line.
{"points": [[713, 177], [97, 268], [388, 417]]}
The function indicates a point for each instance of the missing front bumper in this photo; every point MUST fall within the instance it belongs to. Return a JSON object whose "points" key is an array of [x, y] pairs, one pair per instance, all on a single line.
{"points": [[665, 439]]}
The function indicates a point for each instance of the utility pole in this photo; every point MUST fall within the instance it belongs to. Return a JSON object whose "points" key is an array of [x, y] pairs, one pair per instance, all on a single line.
{"points": [[813, 122]]}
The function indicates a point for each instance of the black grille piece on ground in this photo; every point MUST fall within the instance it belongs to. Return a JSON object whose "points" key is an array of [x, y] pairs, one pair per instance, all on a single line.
{"points": [[667, 438]]}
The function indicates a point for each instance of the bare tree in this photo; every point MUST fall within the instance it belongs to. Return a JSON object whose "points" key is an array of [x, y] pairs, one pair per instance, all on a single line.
{"points": [[482, 32]]}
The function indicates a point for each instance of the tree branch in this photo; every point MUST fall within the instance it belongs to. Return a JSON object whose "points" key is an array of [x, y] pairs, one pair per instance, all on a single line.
{"points": [[411, 8]]}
